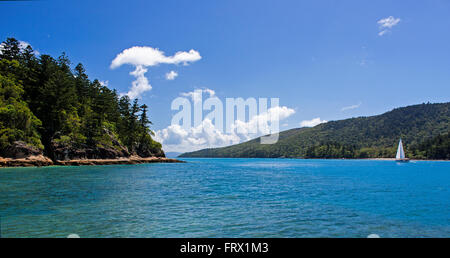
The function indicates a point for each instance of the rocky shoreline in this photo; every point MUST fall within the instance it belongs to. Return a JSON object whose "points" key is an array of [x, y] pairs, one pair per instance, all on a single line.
{"points": [[31, 161], [40, 160], [20, 154]]}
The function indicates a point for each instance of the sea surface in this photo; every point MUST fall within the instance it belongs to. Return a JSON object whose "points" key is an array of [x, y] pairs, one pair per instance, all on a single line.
{"points": [[229, 198]]}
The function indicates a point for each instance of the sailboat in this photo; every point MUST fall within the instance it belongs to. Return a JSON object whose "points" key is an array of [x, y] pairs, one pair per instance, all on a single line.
{"points": [[400, 157]]}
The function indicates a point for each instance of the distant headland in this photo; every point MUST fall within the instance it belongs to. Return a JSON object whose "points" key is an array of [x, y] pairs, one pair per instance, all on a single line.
{"points": [[424, 129]]}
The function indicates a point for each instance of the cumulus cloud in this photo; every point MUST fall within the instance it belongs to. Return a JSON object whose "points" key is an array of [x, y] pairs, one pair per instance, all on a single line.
{"points": [[207, 135], [148, 56], [351, 107], [171, 75], [22, 45], [274, 114], [386, 24], [142, 57], [104, 83], [141, 84], [313, 122], [197, 94]]}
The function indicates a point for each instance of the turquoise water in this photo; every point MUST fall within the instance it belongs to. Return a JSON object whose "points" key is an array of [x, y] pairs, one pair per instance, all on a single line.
{"points": [[229, 198]]}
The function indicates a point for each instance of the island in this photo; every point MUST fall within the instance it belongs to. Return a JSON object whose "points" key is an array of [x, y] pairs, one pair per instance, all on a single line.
{"points": [[424, 129], [52, 114]]}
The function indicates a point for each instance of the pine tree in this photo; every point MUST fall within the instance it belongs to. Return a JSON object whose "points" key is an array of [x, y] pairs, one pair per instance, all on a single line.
{"points": [[43, 101], [17, 122], [10, 49]]}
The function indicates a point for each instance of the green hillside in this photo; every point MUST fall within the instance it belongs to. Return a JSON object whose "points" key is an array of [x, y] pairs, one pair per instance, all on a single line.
{"points": [[48, 106], [435, 148], [362, 137]]}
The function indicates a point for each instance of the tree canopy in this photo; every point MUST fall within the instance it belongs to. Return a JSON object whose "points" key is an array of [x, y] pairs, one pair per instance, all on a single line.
{"points": [[422, 127], [44, 100]]}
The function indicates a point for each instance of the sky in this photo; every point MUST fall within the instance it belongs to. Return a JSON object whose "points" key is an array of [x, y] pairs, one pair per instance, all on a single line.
{"points": [[324, 60]]}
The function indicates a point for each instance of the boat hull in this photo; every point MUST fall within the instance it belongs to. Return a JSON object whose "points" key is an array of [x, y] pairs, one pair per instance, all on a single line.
{"points": [[402, 160]]}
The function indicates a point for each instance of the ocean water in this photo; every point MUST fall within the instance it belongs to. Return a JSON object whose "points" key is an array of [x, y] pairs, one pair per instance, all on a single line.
{"points": [[229, 198]]}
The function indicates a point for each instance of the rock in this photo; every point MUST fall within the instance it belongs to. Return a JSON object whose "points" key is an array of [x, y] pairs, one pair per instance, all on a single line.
{"points": [[148, 153], [41, 160], [65, 152], [19, 150], [118, 161], [71, 151], [61, 152], [31, 161]]}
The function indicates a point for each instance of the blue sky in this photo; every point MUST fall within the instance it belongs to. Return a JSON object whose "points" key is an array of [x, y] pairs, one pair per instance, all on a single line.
{"points": [[317, 57]]}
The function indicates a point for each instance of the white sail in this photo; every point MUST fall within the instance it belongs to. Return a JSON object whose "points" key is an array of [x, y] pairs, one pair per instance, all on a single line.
{"points": [[400, 151]]}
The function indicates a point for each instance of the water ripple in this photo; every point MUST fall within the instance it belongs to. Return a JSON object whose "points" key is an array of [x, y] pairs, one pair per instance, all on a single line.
{"points": [[229, 198]]}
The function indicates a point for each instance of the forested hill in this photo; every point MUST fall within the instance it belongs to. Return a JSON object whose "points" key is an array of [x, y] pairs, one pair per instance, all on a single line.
{"points": [[424, 129], [46, 104]]}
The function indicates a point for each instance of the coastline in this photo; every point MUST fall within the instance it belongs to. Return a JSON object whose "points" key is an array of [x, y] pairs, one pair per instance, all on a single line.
{"points": [[380, 159], [393, 159], [42, 161]]}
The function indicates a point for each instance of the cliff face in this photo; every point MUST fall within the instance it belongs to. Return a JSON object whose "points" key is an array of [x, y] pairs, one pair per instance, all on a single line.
{"points": [[20, 154], [109, 148], [150, 153], [69, 153], [68, 150], [20, 150]]}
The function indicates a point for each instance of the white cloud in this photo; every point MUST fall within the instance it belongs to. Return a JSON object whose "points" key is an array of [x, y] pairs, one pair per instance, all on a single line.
{"points": [[173, 134], [259, 122], [386, 24], [22, 45], [104, 83], [206, 135], [142, 57], [171, 75], [141, 84], [381, 33], [148, 56], [389, 22], [351, 107], [196, 95], [313, 122]]}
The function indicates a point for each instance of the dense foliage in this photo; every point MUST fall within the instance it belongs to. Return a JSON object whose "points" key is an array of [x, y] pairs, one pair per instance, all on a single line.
{"points": [[435, 148], [44, 101], [422, 127]]}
